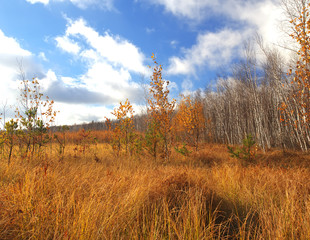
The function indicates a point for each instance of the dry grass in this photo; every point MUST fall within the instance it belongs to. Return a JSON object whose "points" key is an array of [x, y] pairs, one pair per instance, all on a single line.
{"points": [[206, 196]]}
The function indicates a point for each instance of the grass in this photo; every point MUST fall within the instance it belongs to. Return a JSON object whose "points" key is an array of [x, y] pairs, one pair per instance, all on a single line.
{"points": [[208, 195]]}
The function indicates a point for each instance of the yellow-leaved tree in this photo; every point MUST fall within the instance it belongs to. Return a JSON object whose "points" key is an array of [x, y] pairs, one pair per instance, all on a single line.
{"points": [[124, 129], [160, 111], [190, 120], [35, 116]]}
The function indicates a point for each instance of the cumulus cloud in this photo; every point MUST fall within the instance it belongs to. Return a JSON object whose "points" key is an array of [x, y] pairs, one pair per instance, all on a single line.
{"points": [[106, 81], [10, 46], [263, 16], [80, 113], [77, 101], [69, 90], [117, 51], [111, 61], [13, 56], [67, 45], [211, 49], [243, 19], [205, 9]]}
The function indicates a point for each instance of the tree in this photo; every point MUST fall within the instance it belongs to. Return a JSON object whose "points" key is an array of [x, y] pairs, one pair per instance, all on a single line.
{"points": [[191, 120], [160, 112], [299, 110], [10, 135], [35, 115], [123, 132]]}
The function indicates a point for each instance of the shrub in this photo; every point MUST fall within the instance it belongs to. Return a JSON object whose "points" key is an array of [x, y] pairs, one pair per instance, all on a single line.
{"points": [[247, 152]]}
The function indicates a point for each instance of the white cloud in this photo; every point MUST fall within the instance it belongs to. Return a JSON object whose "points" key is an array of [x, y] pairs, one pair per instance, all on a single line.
{"points": [[180, 66], [174, 43], [83, 4], [115, 83], [173, 86], [38, 1], [42, 56], [10, 53], [191, 9], [67, 45], [111, 62], [80, 113], [49, 79], [86, 98], [262, 16], [113, 49], [187, 85], [8, 87], [211, 49], [107, 4], [9, 46], [244, 19], [150, 30], [106, 82], [198, 10]]}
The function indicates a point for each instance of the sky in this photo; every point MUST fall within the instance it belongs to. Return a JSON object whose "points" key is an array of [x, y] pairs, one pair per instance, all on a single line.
{"points": [[89, 55]]}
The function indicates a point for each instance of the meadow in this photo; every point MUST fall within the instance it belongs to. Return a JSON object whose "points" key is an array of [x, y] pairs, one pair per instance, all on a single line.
{"points": [[96, 194], [160, 175]]}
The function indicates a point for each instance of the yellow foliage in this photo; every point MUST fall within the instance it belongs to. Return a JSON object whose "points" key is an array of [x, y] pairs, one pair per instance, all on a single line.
{"points": [[190, 119], [160, 110]]}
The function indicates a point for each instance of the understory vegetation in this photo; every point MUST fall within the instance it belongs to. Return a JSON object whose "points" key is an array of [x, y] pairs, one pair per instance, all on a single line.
{"points": [[209, 195]]}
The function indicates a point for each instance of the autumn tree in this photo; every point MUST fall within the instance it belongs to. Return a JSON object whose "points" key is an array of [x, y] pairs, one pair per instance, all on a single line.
{"points": [[190, 119], [160, 110], [124, 129], [84, 139], [35, 115]]}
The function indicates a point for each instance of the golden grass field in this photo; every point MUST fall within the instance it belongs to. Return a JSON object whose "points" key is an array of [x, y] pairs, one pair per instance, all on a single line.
{"points": [[207, 195]]}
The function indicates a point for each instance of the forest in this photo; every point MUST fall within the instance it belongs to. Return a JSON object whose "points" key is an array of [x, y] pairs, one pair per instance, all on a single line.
{"points": [[228, 162]]}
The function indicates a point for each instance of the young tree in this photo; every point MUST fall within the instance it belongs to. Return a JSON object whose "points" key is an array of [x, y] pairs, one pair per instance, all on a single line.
{"points": [[190, 119], [10, 135], [35, 115], [84, 139], [160, 110], [124, 130]]}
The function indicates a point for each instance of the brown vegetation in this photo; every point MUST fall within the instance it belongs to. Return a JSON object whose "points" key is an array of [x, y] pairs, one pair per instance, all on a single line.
{"points": [[206, 196]]}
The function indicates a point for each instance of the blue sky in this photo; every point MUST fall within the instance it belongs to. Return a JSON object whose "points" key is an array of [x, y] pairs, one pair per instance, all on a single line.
{"points": [[91, 54]]}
